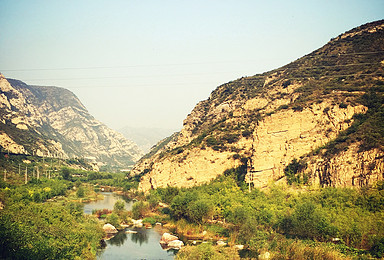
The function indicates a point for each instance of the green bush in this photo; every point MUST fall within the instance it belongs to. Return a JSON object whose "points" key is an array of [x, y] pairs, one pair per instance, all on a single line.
{"points": [[80, 193], [139, 209], [293, 172], [119, 205], [149, 220], [113, 219]]}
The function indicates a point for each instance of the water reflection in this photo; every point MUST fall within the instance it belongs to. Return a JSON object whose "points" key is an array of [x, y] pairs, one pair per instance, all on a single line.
{"points": [[118, 239], [140, 237], [108, 202], [141, 245]]}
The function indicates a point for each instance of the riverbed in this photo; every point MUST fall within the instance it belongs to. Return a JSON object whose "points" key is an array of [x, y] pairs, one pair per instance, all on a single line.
{"points": [[131, 243]]}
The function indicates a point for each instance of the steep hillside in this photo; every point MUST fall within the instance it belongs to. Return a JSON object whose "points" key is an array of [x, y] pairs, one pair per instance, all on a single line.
{"points": [[145, 137], [316, 109], [51, 121]]}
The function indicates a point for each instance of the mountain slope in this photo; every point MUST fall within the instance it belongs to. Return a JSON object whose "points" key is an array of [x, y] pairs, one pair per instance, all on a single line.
{"points": [[266, 121], [145, 137], [51, 121]]}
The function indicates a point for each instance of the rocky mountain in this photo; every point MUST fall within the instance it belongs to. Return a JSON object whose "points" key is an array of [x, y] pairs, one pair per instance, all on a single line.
{"points": [[51, 121], [145, 137], [316, 120]]}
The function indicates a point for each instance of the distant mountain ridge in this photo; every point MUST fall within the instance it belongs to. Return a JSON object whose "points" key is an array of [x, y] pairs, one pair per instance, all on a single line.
{"points": [[316, 120], [145, 137], [52, 121]]}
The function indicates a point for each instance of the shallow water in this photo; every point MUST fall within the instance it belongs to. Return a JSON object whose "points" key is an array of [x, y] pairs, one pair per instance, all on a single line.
{"points": [[108, 202], [141, 245]]}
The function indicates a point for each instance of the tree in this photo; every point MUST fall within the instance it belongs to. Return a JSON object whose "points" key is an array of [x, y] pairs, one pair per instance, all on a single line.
{"points": [[66, 173], [119, 205], [80, 193], [113, 219]]}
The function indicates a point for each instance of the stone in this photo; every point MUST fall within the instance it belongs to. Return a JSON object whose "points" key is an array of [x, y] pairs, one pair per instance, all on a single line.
{"points": [[265, 256], [221, 243], [109, 229], [166, 238], [137, 223], [239, 247], [176, 244]]}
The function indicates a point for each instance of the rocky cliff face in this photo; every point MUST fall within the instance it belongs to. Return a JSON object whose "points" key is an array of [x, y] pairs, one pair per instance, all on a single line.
{"points": [[267, 120], [51, 121]]}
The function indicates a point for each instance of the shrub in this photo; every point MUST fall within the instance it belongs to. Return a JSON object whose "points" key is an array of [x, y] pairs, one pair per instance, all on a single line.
{"points": [[377, 249], [206, 251], [293, 170], [139, 209], [80, 193], [113, 219], [308, 221], [149, 220], [119, 205]]}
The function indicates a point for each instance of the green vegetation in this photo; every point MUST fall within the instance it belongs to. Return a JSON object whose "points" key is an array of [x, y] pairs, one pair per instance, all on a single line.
{"points": [[293, 172], [302, 225], [206, 251], [367, 129], [38, 223]]}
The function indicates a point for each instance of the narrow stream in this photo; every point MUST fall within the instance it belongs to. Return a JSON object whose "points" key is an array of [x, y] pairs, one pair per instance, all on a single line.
{"points": [[127, 244]]}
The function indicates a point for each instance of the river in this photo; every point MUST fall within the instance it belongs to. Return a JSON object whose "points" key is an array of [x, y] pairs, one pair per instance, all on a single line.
{"points": [[141, 245]]}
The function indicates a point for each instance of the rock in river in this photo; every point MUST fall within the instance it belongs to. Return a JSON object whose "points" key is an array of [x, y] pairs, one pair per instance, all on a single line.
{"points": [[166, 238], [176, 244], [109, 229]]}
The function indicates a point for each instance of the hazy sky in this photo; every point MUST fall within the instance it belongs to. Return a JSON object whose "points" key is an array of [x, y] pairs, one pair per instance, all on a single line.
{"points": [[147, 63]]}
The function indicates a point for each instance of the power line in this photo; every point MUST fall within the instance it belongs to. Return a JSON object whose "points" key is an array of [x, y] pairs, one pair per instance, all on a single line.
{"points": [[250, 79], [170, 64], [126, 66], [197, 74]]}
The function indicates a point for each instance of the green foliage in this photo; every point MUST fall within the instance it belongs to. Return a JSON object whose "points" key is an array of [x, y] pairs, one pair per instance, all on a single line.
{"points": [[267, 220], [139, 209], [113, 219], [46, 231], [80, 193], [166, 194], [66, 173], [206, 251], [119, 205], [293, 172], [309, 221], [49, 230], [191, 206], [377, 249], [149, 220]]}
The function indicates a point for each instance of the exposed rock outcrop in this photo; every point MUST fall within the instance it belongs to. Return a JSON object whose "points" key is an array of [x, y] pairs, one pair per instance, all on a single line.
{"points": [[265, 121], [51, 121]]}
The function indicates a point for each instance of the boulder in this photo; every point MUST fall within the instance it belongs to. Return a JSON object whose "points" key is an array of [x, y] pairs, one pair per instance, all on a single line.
{"points": [[265, 256], [239, 247], [176, 244], [166, 238], [109, 229], [221, 243], [137, 223]]}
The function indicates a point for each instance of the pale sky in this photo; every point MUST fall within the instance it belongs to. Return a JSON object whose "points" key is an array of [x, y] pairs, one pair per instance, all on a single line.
{"points": [[148, 63]]}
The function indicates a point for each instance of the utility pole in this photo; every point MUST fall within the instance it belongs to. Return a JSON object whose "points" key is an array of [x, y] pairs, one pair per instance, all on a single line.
{"points": [[37, 172], [26, 175]]}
